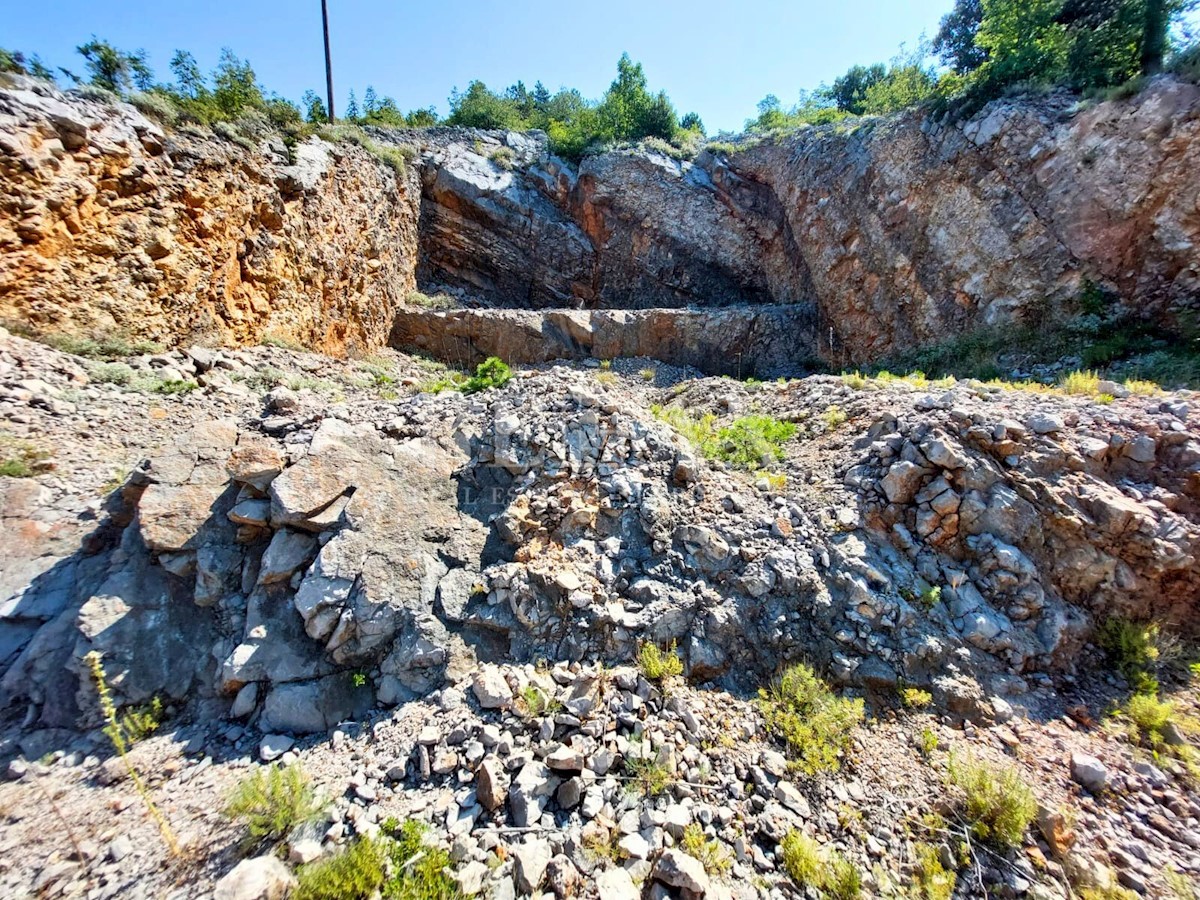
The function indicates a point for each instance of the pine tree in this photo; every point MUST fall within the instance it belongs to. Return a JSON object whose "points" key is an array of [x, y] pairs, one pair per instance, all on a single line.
{"points": [[352, 108], [370, 101]]}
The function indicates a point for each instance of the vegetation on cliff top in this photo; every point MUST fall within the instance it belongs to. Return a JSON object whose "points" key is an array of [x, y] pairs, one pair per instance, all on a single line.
{"points": [[983, 49]]}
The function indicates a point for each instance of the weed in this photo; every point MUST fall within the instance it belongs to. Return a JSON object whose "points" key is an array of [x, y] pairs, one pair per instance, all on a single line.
{"points": [[648, 375], [855, 380], [1180, 886], [1112, 892], [750, 442], [1148, 716], [776, 481], [425, 301], [657, 664], [116, 735], [931, 880], [814, 722], [608, 379], [995, 800], [112, 373], [103, 347], [929, 742], [358, 679], [357, 873], [271, 339], [171, 386], [1133, 648], [393, 156], [915, 698], [1142, 388], [930, 597], [833, 417], [419, 871], [136, 723], [650, 777], [504, 158], [491, 373], [272, 800], [830, 874], [21, 459], [605, 365], [535, 704], [711, 853], [1081, 383]]}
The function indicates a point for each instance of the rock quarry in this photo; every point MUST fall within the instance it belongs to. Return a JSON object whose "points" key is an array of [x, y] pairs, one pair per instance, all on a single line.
{"points": [[275, 529]]}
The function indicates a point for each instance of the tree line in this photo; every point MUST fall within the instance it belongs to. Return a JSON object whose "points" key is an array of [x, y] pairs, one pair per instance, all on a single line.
{"points": [[984, 48]]}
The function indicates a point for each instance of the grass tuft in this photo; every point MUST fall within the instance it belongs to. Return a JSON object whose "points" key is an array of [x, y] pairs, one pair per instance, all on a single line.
{"points": [[833, 876], [657, 664]]}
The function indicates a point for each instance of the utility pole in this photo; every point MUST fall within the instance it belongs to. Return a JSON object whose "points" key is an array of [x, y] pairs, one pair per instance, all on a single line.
{"points": [[328, 60]]}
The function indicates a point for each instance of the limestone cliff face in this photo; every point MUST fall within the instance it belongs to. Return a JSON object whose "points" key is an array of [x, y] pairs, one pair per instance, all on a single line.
{"points": [[901, 231], [884, 235], [912, 232], [108, 224]]}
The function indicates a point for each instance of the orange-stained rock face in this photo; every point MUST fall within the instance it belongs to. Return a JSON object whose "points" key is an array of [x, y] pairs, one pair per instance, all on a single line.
{"points": [[109, 225]]}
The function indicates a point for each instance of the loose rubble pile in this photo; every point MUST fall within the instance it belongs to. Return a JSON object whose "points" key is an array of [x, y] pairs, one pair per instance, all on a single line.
{"points": [[433, 603]]}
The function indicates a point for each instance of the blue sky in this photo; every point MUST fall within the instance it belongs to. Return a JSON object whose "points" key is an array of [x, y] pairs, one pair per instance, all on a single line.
{"points": [[718, 59]]}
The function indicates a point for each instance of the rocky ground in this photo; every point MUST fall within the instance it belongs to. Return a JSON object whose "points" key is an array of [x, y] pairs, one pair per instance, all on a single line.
{"points": [[315, 561]]}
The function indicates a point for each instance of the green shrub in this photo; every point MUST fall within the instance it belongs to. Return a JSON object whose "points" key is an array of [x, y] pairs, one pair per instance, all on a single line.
{"points": [[21, 459], [272, 800], [136, 723], [657, 664], [356, 873], [425, 301], [711, 853], [996, 802], [491, 373], [647, 375], [155, 105], [419, 871], [1148, 716], [915, 698], [1133, 648], [535, 703], [105, 347], [830, 874], [749, 443], [815, 723], [112, 373], [650, 777], [931, 881], [172, 386]]}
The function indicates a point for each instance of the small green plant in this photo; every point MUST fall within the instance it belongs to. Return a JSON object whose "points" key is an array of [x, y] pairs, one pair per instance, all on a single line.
{"points": [[915, 698], [272, 800], [103, 347], [504, 158], [21, 459], [1180, 886], [493, 372], [358, 679], [608, 379], [931, 880], [426, 301], [834, 417], [357, 873], [834, 877], [1133, 647], [136, 723], [711, 853], [172, 386], [930, 597], [1148, 717], [605, 365], [657, 664], [271, 339], [648, 375], [750, 442], [116, 735], [929, 742], [535, 704], [1111, 892], [854, 380], [815, 723], [996, 801], [112, 373], [649, 777]]}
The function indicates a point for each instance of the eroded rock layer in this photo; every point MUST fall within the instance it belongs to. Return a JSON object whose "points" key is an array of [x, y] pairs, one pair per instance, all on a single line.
{"points": [[110, 225]]}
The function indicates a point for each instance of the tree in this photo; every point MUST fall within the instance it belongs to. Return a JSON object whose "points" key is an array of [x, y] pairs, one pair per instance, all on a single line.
{"points": [[479, 107], [115, 70], [1154, 36], [850, 91], [352, 108], [903, 87], [692, 122], [1023, 41], [955, 42], [314, 109], [188, 80], [421, 118], [235, 86], [370, 101]]}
